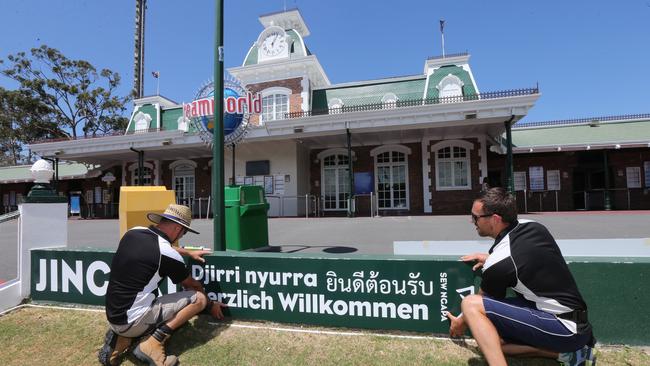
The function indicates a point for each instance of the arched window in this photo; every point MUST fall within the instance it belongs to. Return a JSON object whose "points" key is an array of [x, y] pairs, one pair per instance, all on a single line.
{"points": [[183, 178], [335, 187], [391, 172], [142, 122], [335, 106], [389, 100], [147, 174], [450, 86], [275, 104], [452, 165]]}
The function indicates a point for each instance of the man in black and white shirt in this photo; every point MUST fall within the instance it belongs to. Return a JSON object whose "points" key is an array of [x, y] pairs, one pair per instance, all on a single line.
{"points": [[143, 259], [548, 317]]}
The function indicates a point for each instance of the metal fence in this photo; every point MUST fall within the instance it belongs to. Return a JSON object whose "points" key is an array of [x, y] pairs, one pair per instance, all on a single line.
{"points": [[595, 199]]}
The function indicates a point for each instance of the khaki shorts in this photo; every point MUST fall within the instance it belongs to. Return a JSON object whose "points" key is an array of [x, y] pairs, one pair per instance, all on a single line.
{"points": [[162, 309]]}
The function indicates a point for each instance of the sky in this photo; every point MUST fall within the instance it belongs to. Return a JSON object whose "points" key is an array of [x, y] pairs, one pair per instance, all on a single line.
{"points": [[590, 58]]}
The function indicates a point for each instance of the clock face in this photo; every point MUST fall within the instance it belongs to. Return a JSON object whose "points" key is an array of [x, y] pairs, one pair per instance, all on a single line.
{"points": [[274, 43]]}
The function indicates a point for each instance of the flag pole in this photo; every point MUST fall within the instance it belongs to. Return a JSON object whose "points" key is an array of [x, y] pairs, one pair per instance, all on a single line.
{"points": [[442, 34]]}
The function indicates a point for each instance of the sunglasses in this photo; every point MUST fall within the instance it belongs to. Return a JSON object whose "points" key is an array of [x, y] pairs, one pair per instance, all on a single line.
{"points": [[476, 217]]}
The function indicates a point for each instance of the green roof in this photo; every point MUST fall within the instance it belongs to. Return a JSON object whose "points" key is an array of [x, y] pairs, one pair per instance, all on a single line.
{"points": [[442, 72], [369, 93], [584, 134], [21, 173]]}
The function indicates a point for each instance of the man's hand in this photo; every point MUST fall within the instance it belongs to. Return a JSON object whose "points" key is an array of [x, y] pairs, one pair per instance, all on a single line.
{"points": [[480, 259], [196, 255], [457, 326], [216, 311]]}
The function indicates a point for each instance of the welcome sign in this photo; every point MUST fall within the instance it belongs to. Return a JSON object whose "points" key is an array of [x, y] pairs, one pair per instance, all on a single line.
{"points": [[376, 292]]}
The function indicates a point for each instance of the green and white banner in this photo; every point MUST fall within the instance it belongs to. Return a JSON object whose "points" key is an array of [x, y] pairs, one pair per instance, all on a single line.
{"points": [[376, 292]]}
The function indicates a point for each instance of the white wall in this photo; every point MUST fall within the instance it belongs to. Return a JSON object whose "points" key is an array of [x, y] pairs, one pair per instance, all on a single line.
{"points": [[282, 158]]}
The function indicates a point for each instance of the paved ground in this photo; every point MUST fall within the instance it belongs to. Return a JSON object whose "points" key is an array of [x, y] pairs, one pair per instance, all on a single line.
{"points": [[363, 235]]}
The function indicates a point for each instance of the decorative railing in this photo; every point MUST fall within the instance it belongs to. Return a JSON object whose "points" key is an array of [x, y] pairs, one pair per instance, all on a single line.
{"points": [[439, 57], [99, 135], [414, 102], [583, 121]]}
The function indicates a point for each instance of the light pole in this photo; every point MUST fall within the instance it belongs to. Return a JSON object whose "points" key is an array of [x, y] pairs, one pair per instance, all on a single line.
{"points": [[218, 209]]}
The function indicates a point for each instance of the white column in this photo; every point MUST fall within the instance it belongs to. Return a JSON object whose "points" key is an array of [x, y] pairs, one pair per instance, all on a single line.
{"points": [[41, 225], [426, 181]]}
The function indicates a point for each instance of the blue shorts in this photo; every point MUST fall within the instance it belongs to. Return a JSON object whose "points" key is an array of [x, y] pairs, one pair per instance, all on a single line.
{"points": [[519, 322]]}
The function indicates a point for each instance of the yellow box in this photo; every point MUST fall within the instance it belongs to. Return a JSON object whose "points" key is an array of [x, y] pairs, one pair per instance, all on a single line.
{"points": [[137, 201]]}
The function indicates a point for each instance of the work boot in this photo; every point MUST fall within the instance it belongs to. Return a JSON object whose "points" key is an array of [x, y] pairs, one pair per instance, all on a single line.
{"points": [[114, 349], [152, 351]]}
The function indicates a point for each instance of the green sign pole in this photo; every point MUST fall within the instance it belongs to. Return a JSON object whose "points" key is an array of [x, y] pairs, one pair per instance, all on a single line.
{"points": [[218, 208]]}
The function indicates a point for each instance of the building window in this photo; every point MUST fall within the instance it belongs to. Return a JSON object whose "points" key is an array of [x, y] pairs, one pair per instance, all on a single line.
{"points": [[335, 187], [184, 184], [147, 176], [452, 167], [275, 104], [391, 172], [633, 174], [646, 169]]}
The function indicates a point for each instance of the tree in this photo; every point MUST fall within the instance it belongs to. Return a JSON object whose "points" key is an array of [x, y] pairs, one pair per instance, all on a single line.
{"points": [[78, 98], [23, 120]]}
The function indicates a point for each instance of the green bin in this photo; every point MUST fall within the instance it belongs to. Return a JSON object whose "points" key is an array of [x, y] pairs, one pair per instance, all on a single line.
{"points": [[246, 217]]}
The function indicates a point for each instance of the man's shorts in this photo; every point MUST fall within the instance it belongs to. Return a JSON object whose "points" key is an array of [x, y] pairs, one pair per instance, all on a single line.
{"points": [[161, 310], [519, 322]]}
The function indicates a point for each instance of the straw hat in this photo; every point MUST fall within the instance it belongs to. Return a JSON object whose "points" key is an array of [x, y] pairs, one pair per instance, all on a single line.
{"points": [[179, 214]]}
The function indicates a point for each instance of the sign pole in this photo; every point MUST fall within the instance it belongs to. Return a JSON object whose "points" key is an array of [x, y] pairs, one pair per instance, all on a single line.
{"points": [[218, 208]]}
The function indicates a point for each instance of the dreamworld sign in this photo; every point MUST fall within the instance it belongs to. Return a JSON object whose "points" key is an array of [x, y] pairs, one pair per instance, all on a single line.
{"points": [[238, 105], [374, 292]]}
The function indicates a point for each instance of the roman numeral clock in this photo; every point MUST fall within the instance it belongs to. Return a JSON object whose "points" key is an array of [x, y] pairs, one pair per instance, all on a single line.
{"points": [[273, 44]]}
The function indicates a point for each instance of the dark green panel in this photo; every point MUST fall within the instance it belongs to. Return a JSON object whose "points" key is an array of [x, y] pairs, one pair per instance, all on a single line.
{"points": [[617, 297]]}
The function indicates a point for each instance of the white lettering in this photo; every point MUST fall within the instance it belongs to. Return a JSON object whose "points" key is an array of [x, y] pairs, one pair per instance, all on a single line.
{"points": [[76, 277], [90, 277]]}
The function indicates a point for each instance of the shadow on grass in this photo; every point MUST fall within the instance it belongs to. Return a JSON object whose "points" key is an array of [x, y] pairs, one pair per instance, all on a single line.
{"points": [[478, 359], [192, 334]]}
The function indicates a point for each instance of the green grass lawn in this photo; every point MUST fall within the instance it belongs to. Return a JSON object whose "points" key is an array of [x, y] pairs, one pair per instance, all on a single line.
{"points": [[43, 336]]}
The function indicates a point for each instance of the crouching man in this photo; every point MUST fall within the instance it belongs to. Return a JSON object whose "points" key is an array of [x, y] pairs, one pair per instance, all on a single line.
{"points": [[548, 317], [143, 259]]}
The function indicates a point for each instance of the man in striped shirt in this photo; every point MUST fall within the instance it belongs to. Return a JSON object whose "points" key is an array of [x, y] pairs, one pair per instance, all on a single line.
{"points": [[548, 316], [143, 259]]}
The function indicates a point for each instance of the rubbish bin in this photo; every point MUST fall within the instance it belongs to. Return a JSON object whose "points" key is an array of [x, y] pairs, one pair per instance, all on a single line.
{"points": [[246, 217]]}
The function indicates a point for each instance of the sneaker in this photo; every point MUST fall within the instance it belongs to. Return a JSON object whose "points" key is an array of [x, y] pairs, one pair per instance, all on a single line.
{"points": [[114, 349], [152, 352], [585, 356]]}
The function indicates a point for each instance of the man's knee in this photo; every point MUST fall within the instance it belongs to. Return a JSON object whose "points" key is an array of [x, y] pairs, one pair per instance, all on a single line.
{"points": [[201, 300], [472, 304]]}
